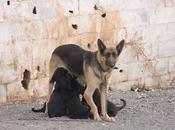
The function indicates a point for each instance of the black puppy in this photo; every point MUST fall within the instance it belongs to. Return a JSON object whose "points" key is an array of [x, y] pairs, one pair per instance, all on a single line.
{"points": [[64, 100]]}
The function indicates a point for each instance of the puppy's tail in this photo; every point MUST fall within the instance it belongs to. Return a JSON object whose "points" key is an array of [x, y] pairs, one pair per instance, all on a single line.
{"points": [[41, 109], [113, 109], [121, 107]]}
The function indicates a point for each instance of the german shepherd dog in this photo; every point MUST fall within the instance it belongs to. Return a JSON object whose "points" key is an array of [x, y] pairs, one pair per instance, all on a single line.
{"points": [[92, 69]]}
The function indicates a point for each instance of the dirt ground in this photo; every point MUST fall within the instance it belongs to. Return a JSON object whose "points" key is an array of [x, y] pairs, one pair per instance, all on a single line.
{"points": [[152, 110]]}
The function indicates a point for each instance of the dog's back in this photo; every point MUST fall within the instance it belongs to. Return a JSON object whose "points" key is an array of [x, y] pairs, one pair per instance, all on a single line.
{"points": [[72, 56]]}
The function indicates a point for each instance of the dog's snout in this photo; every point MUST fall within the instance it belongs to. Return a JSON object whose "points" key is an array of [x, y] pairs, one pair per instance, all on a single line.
{"points": [[112, 65]]}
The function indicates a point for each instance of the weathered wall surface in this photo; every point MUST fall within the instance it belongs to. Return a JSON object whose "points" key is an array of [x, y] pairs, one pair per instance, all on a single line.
{"points": [[31, 29]]}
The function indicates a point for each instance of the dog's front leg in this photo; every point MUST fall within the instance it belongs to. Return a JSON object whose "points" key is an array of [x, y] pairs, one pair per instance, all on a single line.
{"points": [[103, 90], [89, 99]]}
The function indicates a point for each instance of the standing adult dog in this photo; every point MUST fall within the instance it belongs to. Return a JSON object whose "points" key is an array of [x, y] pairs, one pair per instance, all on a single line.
{"points": [[93, 70]]}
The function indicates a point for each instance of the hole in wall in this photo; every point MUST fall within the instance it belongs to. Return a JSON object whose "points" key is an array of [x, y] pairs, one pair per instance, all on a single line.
{"points": [[26, 79], [89, 45], [71, 11], [38, 68], [103, 15], [120, 70], [74, 26], [8, 2], [95, 7], [34, 10], [115, 67]]}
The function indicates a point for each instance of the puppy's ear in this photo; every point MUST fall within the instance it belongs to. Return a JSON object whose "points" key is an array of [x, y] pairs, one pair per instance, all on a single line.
{"points": [[101, 46], [53, 79], [74, 77], [120, 46]]}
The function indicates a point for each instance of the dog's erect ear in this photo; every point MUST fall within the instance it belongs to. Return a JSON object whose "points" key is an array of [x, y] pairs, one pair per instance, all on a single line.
{"points": [[101, 46], [119, 47]]}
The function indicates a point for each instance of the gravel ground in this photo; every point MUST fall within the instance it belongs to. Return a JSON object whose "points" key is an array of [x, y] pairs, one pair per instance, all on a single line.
{"points": [[153, 110]]}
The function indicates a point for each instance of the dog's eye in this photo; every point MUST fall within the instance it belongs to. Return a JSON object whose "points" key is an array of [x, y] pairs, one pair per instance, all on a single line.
{"points": [[108, 54]]}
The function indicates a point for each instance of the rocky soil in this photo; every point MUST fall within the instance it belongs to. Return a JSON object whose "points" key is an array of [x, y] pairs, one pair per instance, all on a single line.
{"points": [[150, 110]]}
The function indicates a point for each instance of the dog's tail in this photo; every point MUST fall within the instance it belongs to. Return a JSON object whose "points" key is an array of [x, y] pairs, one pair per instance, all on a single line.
{"points": [[41, 109]]}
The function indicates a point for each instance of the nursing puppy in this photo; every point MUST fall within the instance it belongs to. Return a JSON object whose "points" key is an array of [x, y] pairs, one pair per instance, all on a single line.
{"points": [[93, 69], [65, 97]]}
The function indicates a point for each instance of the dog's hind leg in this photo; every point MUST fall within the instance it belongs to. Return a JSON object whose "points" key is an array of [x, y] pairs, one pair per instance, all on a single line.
{"points": [[55, 62]]}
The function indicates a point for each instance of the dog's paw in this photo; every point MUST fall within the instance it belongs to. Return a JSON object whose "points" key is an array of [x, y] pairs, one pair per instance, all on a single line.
{"points": [[46, 110], [111, 119], [97, 118], [107, 118]]}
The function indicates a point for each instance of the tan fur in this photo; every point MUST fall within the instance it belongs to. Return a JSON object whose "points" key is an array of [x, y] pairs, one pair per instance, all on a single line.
{"points": [[93, 82], [101, 60]]}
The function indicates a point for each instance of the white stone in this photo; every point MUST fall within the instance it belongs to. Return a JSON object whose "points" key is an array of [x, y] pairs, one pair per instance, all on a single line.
{"points": [[9, 75], [69, 5], [40, 87], [171, 64], [170, 2], [2, 93], [5, 34], [161, 66], [155, 50], [170, 31], [128, 55], [118, 76], [124, 85], [157, 3], [135, 4], [158, 32], [108, 5], [16, 92], [146, 53], [134, 18], [151, 81], [1, 17], [162, 15], [135, 70], [87, 6], [165, 81], [167, 48]]}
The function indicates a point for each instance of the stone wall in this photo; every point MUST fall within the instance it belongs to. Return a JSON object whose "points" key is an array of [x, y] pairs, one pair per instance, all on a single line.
{"points": [[31, 29]]}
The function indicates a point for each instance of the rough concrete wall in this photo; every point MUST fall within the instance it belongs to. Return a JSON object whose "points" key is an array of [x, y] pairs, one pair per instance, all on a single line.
{"points": [[31, 29]]}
